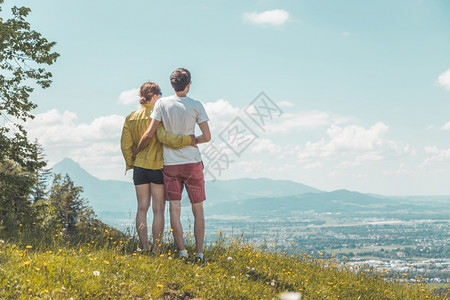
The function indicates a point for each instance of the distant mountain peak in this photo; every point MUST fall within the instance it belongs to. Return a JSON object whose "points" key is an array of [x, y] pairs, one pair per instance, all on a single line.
{"points": [[74, 170], [66, 161]]}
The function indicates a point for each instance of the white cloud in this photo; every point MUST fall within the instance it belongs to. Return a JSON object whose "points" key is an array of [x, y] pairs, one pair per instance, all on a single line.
{"points": [[355, 144], [300, 120], [287, 167], [346, 164], [285, 104], [436, 155], [262, 145], [446, 126], [54, 117], [313, 165], [397, 172], [274, 17], [255, 166], [334, 174], [53, 128], [129, 97], [95, 145], [444, 79], [343, 148], [221, 113], [370, 156], [345, 33], [356, 137]]}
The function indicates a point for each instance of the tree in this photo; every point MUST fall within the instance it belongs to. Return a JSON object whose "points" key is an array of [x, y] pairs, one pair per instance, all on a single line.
{"points": [[67, 203], [20, 188], [41, 177], [15, 186], [23, 51]]}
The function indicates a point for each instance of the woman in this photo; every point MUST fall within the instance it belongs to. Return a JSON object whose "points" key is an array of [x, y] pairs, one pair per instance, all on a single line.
{"points": [[148, 163]]}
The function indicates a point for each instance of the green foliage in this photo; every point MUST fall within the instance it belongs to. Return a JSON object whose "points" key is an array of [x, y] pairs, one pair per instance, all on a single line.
{"points": [[15, 185], [67, 204], [31, 212], [19, 188], [42, 175], [23, 51]]}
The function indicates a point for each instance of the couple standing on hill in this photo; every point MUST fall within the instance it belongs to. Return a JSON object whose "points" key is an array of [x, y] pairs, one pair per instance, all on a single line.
{"points": [[172, 119]]}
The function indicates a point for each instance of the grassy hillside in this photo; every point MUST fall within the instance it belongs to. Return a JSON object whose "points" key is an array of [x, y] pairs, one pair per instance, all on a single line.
{"points": [[108, 268]]}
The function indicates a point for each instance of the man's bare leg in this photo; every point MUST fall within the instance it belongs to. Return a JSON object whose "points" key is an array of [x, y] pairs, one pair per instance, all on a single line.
{"points": [[199, 226], [143, 194], [158, 206], [175, 223]]}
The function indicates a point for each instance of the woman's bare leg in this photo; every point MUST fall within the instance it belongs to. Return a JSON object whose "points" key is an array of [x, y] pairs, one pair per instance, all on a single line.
{"points": [[158, 206], [143, 194]]}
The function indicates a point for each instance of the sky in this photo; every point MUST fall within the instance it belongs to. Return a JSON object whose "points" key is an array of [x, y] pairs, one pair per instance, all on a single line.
{"points": [[356, 94]]}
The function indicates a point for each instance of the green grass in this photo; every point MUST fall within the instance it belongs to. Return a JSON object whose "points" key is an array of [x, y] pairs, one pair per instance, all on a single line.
{"points": [[233, 269]]}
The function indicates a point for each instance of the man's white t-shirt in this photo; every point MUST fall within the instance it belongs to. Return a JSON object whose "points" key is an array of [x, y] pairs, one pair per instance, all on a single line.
{"points": [[179, 116]]}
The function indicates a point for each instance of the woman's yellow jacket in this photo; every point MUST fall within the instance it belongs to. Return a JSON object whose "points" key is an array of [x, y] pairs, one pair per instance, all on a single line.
{"points": [[151, 157]]}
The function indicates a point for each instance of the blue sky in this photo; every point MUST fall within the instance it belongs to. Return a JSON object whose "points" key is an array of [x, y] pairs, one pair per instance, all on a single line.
{"points": [[364, 86]]}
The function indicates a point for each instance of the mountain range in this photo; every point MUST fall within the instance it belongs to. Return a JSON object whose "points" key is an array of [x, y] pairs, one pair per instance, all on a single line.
{"points": [[262, 197], [114, 195]]}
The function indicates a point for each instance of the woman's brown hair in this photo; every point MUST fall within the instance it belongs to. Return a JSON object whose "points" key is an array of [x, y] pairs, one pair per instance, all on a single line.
{"points": [[147, 91]]}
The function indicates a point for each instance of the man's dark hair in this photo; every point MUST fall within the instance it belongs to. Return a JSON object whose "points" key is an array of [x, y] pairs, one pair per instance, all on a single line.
{"points": [[180, 78]]}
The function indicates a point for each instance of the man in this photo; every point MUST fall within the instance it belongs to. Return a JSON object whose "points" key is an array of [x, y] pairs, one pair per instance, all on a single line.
{"points": [[182, 167]]}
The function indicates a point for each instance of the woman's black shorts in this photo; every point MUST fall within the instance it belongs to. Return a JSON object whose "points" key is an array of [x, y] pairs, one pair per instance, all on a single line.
{"points": [[145, 176]]}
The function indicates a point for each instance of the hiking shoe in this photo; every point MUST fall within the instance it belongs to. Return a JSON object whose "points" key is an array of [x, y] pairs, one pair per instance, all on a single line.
{"points": [[199, 260]]}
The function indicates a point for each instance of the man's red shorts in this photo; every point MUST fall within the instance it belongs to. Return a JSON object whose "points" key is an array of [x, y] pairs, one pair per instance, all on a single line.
{"points": [[189, 175]]}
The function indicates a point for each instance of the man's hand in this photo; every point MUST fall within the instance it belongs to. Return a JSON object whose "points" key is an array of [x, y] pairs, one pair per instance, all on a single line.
{"points": [[193, 140], [206, 134]]}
